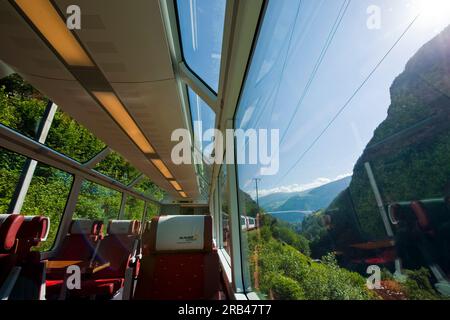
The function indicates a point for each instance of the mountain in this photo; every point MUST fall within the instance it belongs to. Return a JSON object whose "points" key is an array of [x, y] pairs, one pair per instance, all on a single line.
{"points": [[308, 200], [409, 153], [291, 216], [273, 201], [317, 198]]}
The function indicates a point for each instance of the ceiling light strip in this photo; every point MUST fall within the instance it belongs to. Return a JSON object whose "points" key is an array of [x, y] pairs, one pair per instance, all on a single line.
{"points": [[116, 109], [49, 23]]}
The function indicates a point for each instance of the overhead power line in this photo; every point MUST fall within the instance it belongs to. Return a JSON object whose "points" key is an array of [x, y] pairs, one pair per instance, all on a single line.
{"points": [[347, 103]]}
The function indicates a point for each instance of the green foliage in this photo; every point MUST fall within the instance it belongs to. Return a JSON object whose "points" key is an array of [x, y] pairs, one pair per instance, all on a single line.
{"points": [[116, 167], [284, 288], [286, 234], [134, 209], [47, 196], [417, 285], [285, 273], [22, 115], [10, 168], [249, 206], [148, 188], [96, 202], [68, 137]]}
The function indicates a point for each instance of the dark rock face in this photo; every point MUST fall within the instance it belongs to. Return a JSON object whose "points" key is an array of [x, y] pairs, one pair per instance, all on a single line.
{"points": [[410, 150]]}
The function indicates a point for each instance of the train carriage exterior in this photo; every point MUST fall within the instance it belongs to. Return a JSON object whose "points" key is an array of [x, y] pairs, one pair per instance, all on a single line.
{"points": [[224, 150]]}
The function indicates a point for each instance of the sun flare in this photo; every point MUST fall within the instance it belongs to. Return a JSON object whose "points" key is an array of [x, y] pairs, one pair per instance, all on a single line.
{"points": [[433, 11]]}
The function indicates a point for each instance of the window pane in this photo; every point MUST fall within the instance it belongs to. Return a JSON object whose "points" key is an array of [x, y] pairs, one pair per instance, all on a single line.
{"points": [[152, 211], [116, 167], [11, 165], [47, 195], [96, 202], [203, 119], [70, 138], [134, 209], [21, 106], [201, 28], [225, 212], [362, 112], [148, 188]]}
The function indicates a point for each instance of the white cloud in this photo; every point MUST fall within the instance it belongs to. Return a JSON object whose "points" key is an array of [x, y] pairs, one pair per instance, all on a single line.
{"points": [[300, 187]]}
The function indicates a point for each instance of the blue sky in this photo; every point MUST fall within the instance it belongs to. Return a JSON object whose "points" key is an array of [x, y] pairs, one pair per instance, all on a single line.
{"points": [[288, 48]]}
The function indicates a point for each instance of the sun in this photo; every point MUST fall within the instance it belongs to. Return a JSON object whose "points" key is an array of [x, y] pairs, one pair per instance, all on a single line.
{"points": [[433, 12]]}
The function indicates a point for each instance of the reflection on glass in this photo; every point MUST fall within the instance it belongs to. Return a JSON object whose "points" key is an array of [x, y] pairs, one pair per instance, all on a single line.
{"points": [[224, 209], [97, 202], [201, 27], [362, 109]]}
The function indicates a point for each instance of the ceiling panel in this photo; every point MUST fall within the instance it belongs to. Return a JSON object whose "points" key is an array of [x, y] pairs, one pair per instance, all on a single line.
{"points": [[131, 45], [127, 41]]}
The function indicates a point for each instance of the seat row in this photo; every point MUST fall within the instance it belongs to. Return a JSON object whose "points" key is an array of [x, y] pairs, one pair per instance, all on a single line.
{"points": [[22, 273], [172, 258]]}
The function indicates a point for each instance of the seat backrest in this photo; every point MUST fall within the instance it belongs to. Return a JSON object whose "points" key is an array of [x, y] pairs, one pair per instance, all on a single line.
{"points": [[146, 238], [181, 262], [81, 241], [29, 285], [117, 247], [9, 227], [33, 231]]}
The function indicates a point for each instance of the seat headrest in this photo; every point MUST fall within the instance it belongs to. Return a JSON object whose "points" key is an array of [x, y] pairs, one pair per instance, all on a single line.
{"points": [[86, 227], [124, 227], [181, 233], [35, 228], [9, 227]]}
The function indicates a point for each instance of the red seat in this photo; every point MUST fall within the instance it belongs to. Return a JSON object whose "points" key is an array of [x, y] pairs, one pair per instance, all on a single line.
{"points": [[181, 262], [119, 249], [80, 244], [30, 285], [9, 227]]}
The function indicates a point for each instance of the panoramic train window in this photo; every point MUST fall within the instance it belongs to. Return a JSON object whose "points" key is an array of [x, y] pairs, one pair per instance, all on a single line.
{"points": [[72, 139], [117, 168], [47, 196], [201, 25], [97, 202], [225, 209], [22, 108], [134, 209], [361, 108]]}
